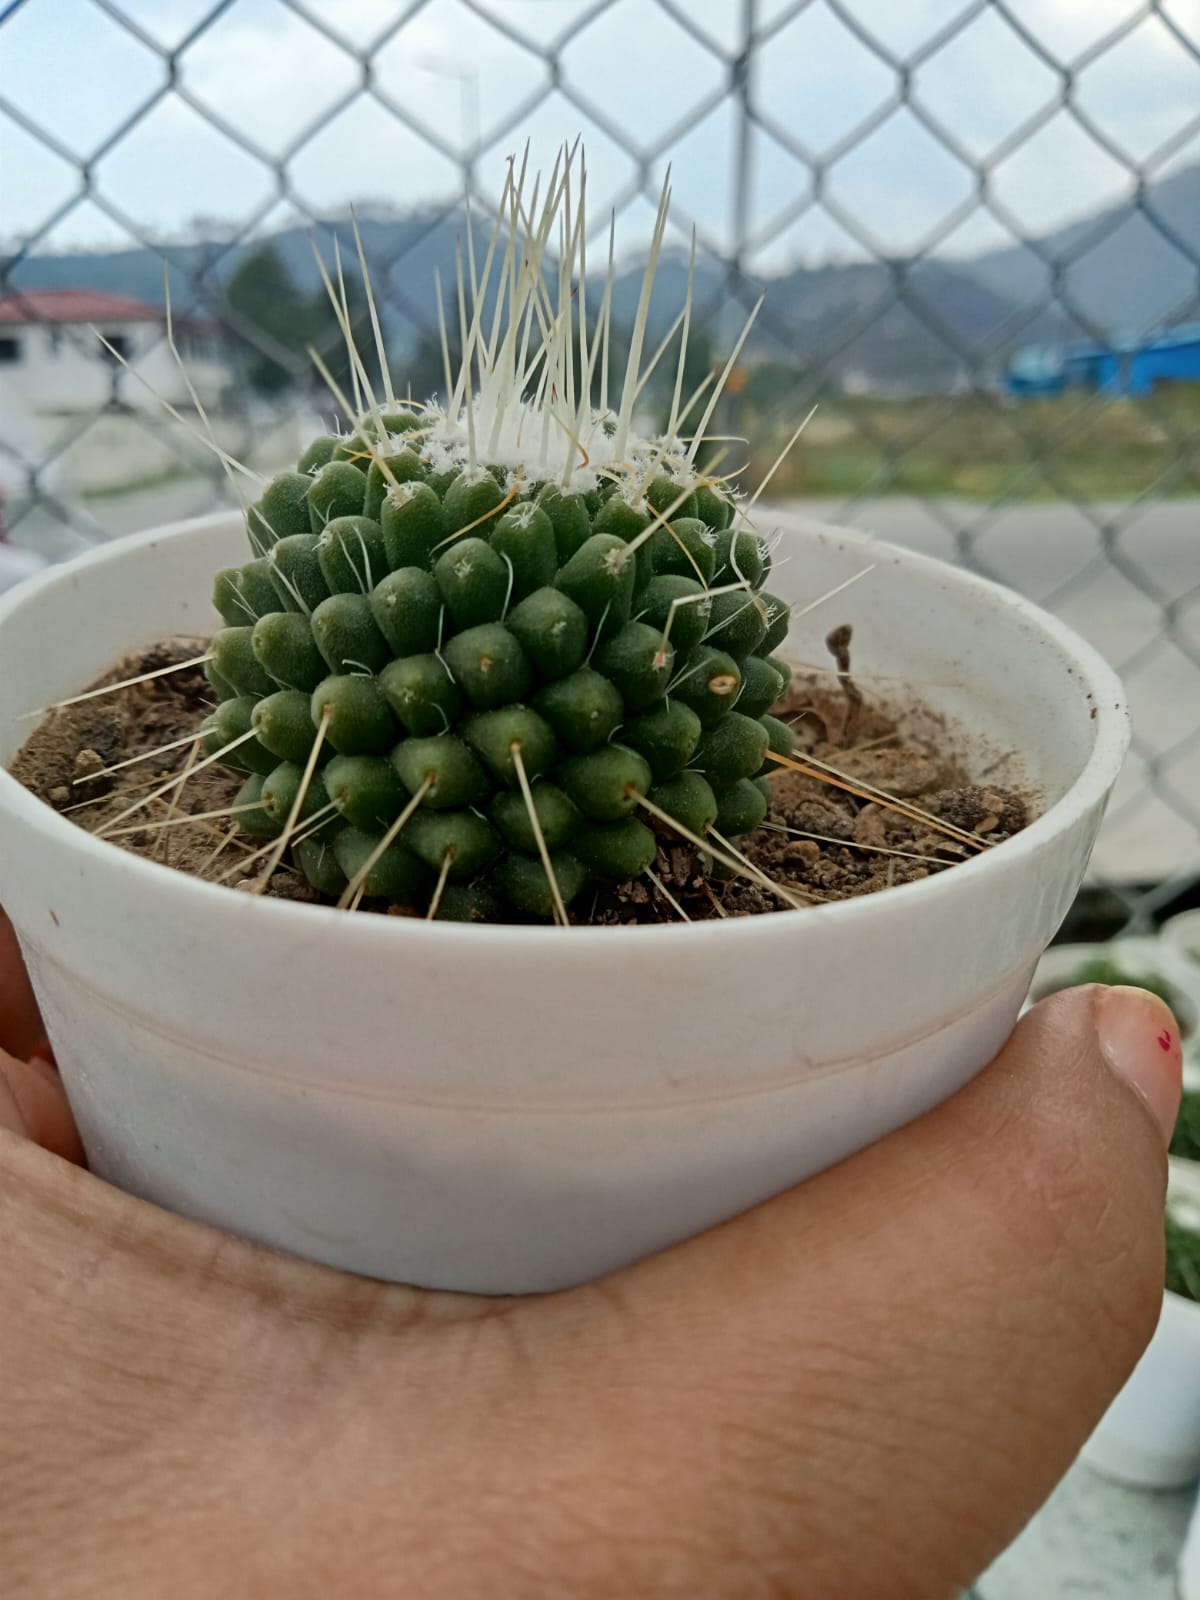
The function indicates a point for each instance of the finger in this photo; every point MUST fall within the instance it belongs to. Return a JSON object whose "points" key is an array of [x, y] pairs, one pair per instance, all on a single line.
{"points": [[873, 1381], [21, 1029], [148, 1363], [34, 1105]]}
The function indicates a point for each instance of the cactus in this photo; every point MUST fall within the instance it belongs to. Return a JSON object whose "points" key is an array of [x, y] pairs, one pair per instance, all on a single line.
{"points": [[489, 629]]}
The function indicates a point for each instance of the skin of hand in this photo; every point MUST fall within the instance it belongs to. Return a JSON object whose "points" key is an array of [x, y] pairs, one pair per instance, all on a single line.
{"points": [[861, 1389]]}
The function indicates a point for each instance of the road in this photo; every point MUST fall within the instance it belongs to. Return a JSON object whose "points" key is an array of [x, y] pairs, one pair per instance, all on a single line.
{"points": [[1051, 552]]}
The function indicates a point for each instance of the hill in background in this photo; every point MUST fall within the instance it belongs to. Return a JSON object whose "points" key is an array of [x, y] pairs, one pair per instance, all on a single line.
{"points": [[869, 325]]}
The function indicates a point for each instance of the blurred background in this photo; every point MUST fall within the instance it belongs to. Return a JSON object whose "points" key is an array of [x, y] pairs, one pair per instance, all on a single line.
{"points": [[978, 222]]}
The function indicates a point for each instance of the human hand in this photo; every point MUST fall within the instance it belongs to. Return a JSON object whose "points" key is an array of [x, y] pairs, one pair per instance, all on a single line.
{"points": [[32, 1102], [861, 1389]]}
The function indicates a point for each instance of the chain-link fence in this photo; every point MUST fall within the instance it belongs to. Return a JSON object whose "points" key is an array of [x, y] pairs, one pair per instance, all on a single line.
{"points": [[998, 381]]}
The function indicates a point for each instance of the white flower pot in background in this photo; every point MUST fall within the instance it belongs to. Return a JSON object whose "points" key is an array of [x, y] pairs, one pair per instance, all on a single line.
{"points": [[522, 1108], [1150, 1435], [1182, 934]]}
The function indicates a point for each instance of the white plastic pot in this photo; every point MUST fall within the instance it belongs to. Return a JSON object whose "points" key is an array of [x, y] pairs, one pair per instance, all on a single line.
{"points": [[1150, 1436], [522, 1108]]}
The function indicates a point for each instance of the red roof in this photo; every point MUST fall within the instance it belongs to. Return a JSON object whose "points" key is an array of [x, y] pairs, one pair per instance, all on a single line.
{"points": [[75, 305]]}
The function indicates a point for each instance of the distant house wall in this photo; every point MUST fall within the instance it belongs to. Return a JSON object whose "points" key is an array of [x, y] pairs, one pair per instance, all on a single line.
{"points": [[1138, 371], [1173, 363], [1110, 372], [1172, 359], [62, 367], [1020, 383]]}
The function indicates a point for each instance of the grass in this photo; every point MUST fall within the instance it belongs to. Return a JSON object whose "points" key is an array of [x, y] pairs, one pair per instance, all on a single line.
{"points": [[1182, 1259], [1185, 1141], [1076, 446]]}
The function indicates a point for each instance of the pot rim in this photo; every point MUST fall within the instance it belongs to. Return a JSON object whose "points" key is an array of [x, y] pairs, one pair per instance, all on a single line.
{"points": [[1112, 734]]}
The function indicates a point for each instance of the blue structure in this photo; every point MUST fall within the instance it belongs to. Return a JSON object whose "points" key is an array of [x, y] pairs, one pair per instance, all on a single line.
{"points": [[1119, 369]]}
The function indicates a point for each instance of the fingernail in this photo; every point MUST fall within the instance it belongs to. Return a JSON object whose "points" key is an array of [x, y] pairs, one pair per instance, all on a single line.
{"points": [[1139, 1038]]}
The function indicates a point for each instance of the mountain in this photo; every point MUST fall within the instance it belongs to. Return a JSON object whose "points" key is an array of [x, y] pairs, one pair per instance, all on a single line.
{"points": [[846, 318], [869, 328], [1126, 277], [865, 324]]}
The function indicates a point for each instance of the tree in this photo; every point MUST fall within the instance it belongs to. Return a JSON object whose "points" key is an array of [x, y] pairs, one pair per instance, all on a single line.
{"points": [[326, 336], [423, 372], [275, 325], [269, 319]]}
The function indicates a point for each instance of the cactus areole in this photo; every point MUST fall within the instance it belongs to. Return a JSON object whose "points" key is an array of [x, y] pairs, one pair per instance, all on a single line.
{"points": [[485, 648]]}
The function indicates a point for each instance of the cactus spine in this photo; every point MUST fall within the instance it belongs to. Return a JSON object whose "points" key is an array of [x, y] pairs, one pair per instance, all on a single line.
{"points": [[509, 609]]}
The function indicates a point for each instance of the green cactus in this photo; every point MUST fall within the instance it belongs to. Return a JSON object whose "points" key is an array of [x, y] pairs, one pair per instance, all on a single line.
{"points": [[486, 636], [582, 641]]}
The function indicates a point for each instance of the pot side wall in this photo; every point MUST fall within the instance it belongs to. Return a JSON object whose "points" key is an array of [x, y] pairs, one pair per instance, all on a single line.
{"points": [[520, 1108]]}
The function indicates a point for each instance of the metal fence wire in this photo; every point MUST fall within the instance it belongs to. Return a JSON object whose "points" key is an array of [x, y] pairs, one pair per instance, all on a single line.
{"points": [[1017, 489]]}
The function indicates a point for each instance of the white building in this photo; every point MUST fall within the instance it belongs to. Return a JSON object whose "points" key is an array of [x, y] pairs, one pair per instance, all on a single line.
{"points": [[51, 361]]}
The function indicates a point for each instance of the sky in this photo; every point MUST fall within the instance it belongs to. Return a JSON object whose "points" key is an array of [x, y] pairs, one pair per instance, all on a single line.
{"points": [[462, 68]]}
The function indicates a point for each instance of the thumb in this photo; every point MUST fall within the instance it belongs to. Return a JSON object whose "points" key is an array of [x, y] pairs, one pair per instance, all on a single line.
{"points": [[34, 1105], [877, 1378], [21, 1030]]}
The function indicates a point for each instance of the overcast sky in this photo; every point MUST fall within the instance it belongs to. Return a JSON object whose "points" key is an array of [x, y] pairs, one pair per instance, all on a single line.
{"points": [[74, 72]]}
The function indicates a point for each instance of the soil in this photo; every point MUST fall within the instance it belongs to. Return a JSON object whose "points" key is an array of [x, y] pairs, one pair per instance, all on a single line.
{"points": [[819, 842]]}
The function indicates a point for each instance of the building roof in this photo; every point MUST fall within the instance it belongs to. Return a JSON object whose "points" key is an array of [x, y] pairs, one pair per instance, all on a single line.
{"points": [[75, 305], [1039, 364], [1184, 333]]}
